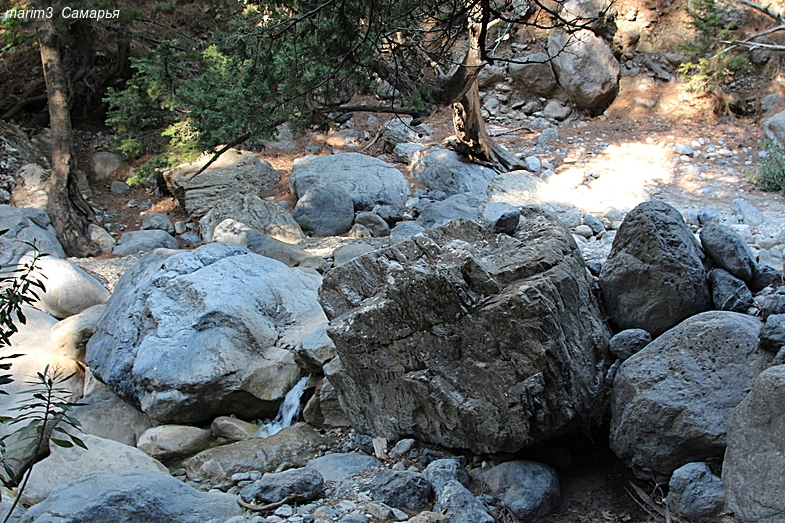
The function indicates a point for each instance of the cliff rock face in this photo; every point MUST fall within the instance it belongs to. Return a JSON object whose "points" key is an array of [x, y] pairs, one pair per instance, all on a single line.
{"points": [[468, 339]]}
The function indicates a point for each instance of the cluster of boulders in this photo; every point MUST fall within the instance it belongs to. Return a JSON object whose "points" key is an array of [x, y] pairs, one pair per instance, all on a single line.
{"points": [[466, 317]]}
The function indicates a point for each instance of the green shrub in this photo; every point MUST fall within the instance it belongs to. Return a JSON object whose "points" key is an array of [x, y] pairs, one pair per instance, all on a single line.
{"points": [[710, 64], [770, 175]]}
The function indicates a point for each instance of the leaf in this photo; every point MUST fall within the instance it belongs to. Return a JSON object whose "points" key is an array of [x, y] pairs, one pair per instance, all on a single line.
{"points": [[78, 442], [62, 443]]}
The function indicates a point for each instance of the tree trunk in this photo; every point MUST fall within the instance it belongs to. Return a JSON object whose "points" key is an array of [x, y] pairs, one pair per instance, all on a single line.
{"points": [[69, 213], [474, 142]]}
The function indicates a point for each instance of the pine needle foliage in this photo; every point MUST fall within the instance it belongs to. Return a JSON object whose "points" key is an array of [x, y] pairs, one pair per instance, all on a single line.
{"points": [[710, 64], [279, 61]]}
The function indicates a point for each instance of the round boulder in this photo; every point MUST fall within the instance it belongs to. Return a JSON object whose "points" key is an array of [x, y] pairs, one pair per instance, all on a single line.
{"points": [[180, 341], [324, 210], [654, 276], [671, 401]]}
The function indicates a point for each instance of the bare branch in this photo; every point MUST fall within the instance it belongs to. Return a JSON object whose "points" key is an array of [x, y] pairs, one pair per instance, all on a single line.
{"points": [[765, 10]]}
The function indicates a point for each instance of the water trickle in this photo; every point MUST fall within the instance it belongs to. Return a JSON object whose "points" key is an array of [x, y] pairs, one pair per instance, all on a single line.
{"points": [[290, 409]]}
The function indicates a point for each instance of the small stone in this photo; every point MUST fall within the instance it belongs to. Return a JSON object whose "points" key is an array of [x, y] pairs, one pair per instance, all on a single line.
{"points": [[772, 337], [683, 149], [191, 238], [101, 237], [533, 163], [584, 231], [747, 212], [729, 293], [119, 187], [158, 221], [284, 511], [501, 217], [628, 342], [547, 136], [594, 223], [695, 493], [709, 215], [557, 111], [179, 227], [402, 447]]}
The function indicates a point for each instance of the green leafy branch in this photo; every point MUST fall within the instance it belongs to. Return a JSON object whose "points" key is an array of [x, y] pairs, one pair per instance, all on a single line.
{"points": [[43, 417]]}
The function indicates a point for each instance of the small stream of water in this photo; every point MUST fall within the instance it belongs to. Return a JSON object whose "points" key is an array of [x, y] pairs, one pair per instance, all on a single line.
{"points": [[289, 411]]}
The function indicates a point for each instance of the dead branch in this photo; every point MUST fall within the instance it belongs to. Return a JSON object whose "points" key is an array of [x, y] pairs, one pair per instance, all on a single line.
{"points": [[271, 506], [647, 503], [754, 45], [765, 10], [19, 107]]}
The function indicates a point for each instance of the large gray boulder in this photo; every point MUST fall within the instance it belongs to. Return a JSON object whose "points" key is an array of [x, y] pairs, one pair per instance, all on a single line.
{"points": [[671, 401], [132, 497], [235, 172], [64, 465], [754, 460], [530, 490], [266, 217], [654, 276], [585, 67], [324, 210], [179, 341], [69, 289], [25, 226], [432, 330], [445, 170], [367, 180], [233, 231], [106, 415], [293, 446], [135, 242], [534, 73], [464, 206]]}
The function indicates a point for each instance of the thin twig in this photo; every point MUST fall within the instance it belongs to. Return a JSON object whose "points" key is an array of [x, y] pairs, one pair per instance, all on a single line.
{"points": [[271, 506], [510, 131]]}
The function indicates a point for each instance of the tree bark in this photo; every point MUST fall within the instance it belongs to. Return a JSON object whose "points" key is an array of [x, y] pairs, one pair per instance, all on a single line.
{"points": [[474, 141], [69, 213]]}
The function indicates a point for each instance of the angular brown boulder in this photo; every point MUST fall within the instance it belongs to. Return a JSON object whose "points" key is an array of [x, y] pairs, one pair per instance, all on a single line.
{"points": [[468, 339]]}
